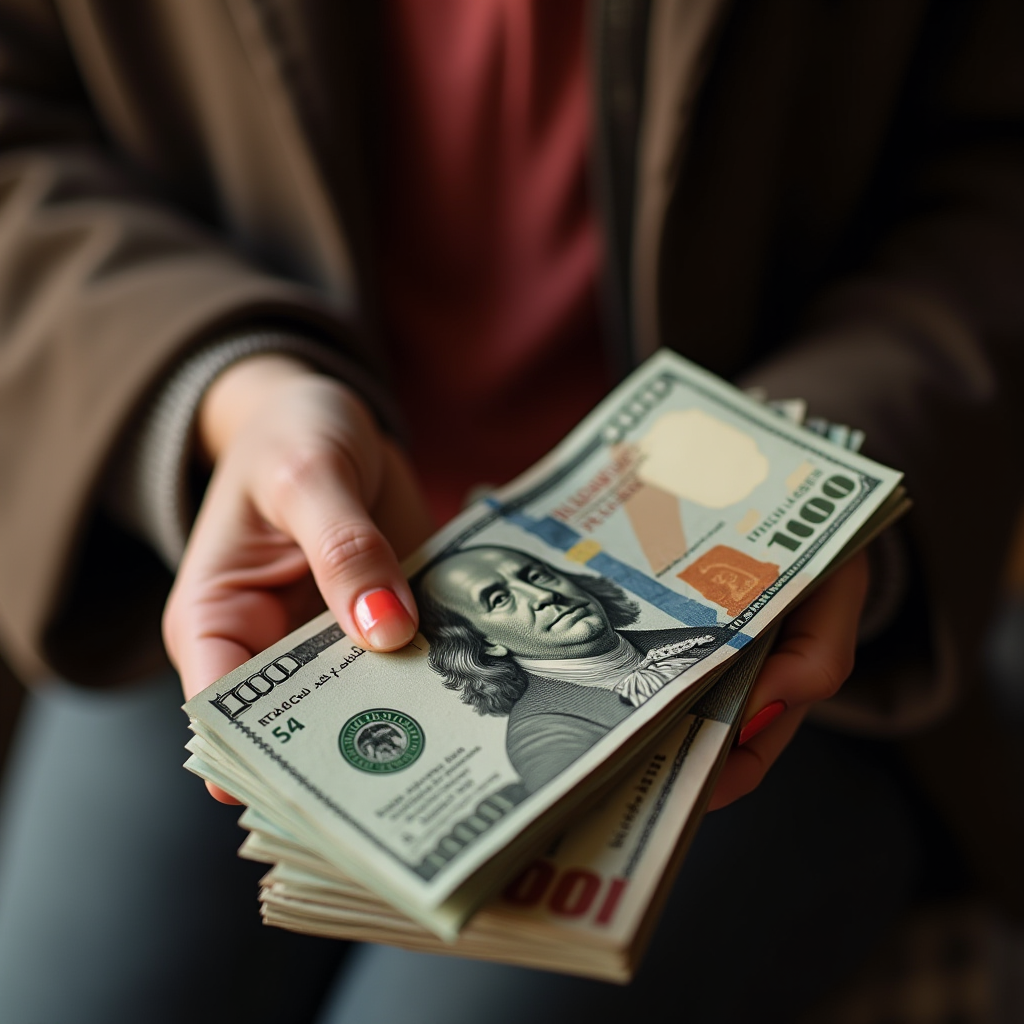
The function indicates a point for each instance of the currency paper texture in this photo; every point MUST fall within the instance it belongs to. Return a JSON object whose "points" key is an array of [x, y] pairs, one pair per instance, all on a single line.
{"points": [[589, 904], [566, 621]]}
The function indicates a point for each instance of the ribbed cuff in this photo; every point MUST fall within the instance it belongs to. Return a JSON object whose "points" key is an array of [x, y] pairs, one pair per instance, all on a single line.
{"points": [[147, 488]]}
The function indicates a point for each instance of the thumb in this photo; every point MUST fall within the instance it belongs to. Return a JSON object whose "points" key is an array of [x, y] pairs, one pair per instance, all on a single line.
{"points": [[354, 566]]}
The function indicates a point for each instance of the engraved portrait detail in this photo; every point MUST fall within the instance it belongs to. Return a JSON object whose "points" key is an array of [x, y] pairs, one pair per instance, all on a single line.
{"points": [[514, 635]]}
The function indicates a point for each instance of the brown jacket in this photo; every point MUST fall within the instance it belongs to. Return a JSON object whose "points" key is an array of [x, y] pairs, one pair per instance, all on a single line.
{"points": [[822, 196]]}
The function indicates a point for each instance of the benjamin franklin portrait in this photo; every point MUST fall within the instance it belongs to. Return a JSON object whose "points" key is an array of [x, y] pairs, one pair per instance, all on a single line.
{"points": [[552, 650]]}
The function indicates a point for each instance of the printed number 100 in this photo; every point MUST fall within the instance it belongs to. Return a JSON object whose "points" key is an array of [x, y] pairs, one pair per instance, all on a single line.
{"points": [[574, 893], [813, 512]]}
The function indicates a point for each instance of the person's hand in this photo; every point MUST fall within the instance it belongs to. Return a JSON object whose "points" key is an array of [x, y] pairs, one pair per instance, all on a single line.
{"points": [[308, 505], [811, 660]]}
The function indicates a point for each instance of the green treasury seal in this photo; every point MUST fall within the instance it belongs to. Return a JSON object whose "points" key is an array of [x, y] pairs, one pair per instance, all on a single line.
{"points": [[381, 740]]}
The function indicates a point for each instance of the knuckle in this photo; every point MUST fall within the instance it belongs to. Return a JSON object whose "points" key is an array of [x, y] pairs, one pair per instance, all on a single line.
{"points": [[301, 467], [345, 549], [833, 670]]}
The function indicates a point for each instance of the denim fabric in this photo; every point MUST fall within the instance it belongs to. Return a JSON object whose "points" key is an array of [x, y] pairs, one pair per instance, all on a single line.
{"points": [[121, 898]]}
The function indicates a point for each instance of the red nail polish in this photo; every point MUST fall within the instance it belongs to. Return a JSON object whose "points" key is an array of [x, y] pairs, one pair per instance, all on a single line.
{"points": [[383, 620], [761, 720]]}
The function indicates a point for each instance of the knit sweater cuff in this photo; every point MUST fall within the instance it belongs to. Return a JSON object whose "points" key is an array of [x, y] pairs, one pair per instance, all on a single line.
{"points": [[148, 487]]}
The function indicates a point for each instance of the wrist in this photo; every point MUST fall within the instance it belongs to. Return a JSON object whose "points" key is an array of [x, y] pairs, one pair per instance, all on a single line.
{"points": [[238, 394]]}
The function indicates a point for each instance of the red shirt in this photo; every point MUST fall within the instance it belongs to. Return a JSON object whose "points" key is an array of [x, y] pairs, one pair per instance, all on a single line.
{"points": [[490, 246]]}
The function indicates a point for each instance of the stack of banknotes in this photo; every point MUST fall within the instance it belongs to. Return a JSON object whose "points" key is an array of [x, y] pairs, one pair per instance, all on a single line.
{"points": [[521, 782]]}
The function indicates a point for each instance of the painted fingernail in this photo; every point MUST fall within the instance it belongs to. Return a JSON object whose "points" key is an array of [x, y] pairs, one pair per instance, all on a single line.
{"points": [[761, 720], [383, 620]]}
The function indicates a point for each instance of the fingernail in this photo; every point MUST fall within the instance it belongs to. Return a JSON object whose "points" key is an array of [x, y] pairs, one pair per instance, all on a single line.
{"points": [[761, 720], [383, 620]]}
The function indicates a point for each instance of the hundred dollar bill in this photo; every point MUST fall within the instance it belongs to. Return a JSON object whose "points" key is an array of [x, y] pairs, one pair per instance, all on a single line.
{"points": [[566, 622], [589, 905]]}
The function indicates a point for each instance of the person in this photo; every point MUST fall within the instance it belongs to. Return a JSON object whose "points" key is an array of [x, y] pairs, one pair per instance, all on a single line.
{"points": [[241, 243], [548, 649]]}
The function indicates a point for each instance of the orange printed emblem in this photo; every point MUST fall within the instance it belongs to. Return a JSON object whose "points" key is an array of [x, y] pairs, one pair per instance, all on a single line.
{"points": [[729, 577]]}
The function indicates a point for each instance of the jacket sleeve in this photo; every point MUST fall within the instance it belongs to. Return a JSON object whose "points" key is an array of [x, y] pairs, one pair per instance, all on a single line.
{"points": [[103, 288], [922, 346]]}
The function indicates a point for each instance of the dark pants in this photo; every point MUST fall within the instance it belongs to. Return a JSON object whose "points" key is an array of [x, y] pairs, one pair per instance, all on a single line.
{"points": [[121, 898]]}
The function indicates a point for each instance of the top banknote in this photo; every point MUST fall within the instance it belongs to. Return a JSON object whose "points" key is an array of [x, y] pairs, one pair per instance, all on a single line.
{"points": [[565, 620]]}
